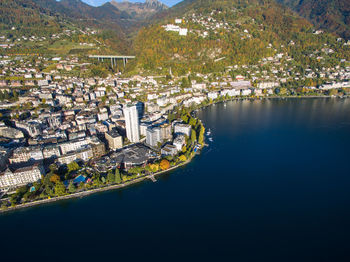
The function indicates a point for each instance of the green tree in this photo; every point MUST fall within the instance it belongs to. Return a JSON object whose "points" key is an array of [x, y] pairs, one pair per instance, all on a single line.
{"points": [[283, 91], [110, 177], [73, 167], [71, 188], [333, 92], [60, 189], [193, 136], [185, 118], [182, 158], [192, 121], [117, 175]]}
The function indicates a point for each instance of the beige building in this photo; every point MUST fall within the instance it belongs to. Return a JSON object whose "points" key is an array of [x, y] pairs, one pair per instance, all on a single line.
{"points": [[98, 148], [165, 132], [25, 154], [82, 155], [115, 140]]}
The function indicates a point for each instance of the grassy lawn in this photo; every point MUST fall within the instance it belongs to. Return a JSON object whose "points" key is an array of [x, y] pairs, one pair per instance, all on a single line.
{"points": [[64, 47]]}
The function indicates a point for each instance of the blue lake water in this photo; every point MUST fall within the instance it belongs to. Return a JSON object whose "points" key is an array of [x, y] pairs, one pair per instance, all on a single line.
{"points": [[274, 185]]}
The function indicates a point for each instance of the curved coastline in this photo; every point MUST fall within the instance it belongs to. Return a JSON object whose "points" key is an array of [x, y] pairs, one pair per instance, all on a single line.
{"points": [[149, 176], [92, 191]]}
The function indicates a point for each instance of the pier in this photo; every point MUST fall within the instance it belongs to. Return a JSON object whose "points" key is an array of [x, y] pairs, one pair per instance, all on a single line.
{"points": [[152, 178]]}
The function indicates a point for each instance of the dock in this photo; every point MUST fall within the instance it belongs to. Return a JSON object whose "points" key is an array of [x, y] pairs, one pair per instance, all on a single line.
{"points": [[152, 178]]}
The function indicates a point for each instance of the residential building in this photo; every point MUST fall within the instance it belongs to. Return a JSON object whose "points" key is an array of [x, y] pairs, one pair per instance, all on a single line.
{"points": [[83, 154], [182, 129], [179, 142], [213, 95], [26, 154], [169, 150], [114, 139], [165, 132], [71, 146], [20, 177], [51, 151], [153, 136], [132, 123]]}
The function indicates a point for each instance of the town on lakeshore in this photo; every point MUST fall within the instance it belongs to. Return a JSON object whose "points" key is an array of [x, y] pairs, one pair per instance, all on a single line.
{"points": [[70, 126]]}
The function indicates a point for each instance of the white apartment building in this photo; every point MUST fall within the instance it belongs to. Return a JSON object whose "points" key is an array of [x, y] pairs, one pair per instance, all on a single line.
{"points": [[70, 146], [182, 129], [153, 136], [213, 95], [20, 177], [230, 92], [132, 123]]}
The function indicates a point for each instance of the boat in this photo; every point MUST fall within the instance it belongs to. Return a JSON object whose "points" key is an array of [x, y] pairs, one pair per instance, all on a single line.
{"points": [[208, 132], [210, 139]]}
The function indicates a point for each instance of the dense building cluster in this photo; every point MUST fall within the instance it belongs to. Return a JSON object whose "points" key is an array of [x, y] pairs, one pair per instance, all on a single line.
{"points": [[53, 113]]}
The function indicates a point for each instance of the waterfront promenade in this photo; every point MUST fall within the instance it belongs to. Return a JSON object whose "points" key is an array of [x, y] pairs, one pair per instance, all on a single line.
{"points": [[93, 191]]}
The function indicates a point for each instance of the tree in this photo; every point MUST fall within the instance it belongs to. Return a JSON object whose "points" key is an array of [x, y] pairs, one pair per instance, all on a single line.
{"points": [[201, 135], [283, 91], [135, 170], [60, 189], [184, 83], [154, 167], [53, 168], [192, 121], [182, 158], [193, 136], [71, 188], [73, 166], [164, 164], [55, 178], [117, 175], [333, 92], [185, 118], [110, 177]]}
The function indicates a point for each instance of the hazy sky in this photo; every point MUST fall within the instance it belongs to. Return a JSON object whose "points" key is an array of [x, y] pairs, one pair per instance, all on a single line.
{"points": [[100, 2]]}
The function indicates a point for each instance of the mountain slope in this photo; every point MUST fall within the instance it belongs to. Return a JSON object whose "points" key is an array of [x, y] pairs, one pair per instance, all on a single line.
{"points": [[106, 16], [332, 15], [226, 33], [61, 26], [28, 17], [140, 11]]}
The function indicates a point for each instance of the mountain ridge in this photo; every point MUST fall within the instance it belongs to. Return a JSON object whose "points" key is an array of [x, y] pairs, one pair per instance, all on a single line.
{"points": [[333, 16], [138, 10]]}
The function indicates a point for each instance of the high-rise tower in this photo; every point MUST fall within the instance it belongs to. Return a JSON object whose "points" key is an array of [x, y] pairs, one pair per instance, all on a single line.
{"points": [[132, 123]]}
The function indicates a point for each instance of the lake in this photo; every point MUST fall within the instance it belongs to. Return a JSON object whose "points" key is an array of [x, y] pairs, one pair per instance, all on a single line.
{"points": [[274, 185]]}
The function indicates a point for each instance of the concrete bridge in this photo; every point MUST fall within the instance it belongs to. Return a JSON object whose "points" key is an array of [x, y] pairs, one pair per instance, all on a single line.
{"points": [[113, 58]]}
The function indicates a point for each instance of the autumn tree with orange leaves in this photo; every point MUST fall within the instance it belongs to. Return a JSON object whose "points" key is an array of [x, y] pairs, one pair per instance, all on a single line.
{"points": [[164, 164]]}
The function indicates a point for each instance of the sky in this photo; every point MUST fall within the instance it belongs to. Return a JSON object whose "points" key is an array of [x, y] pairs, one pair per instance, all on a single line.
{"points": [[100, 2]]}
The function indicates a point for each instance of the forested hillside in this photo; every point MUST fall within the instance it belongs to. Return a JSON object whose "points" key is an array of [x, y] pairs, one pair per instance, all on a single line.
{"points": [[225, 33], [331, 15], [48, 26], [28, 17]]}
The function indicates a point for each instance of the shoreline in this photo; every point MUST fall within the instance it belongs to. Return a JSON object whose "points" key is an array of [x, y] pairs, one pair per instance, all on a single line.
{"points": [[140, 179], [92, 191]]}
